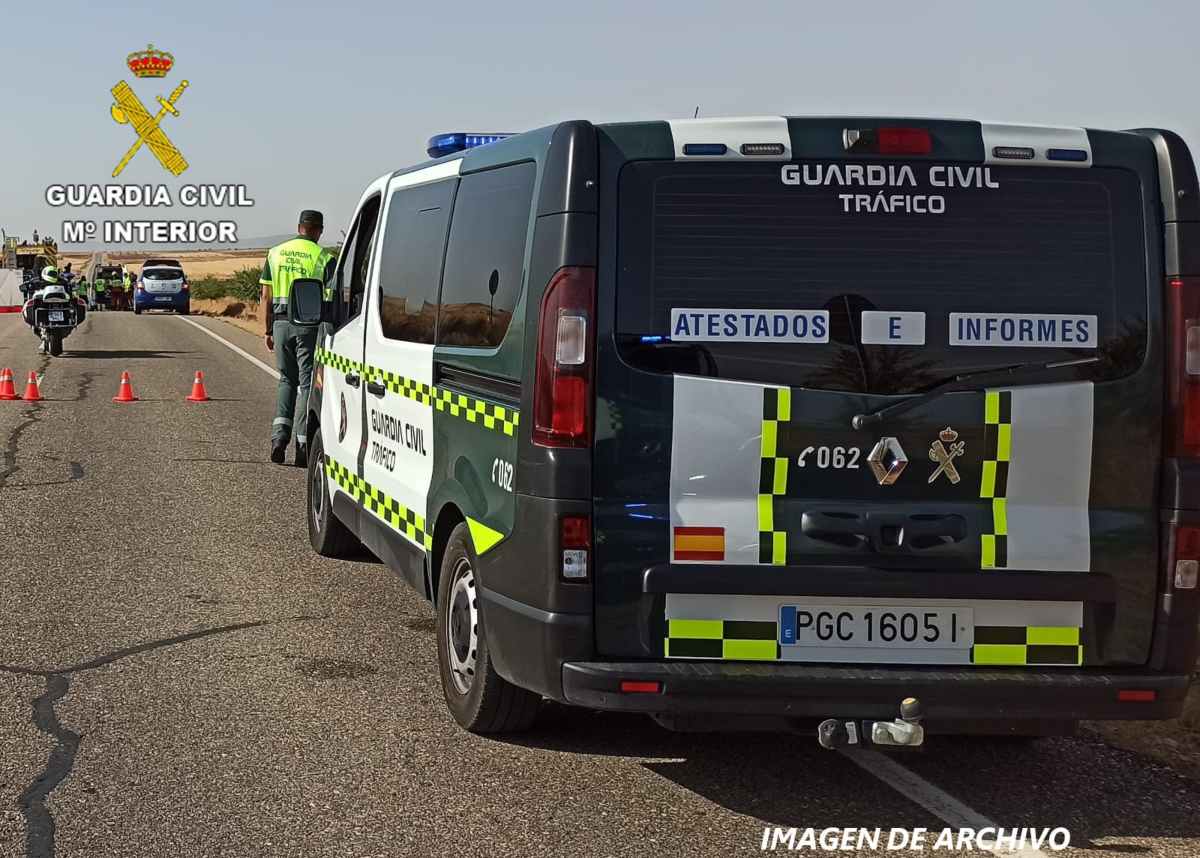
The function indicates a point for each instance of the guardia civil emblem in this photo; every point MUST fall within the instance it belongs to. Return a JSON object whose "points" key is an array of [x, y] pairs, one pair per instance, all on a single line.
{"points": [[127, 109], [944, 451]]}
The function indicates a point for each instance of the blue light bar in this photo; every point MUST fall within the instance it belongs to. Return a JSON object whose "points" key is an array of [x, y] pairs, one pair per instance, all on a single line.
{"points": [[457, 141], [653, 338], [1066, 155], [705, 149]]}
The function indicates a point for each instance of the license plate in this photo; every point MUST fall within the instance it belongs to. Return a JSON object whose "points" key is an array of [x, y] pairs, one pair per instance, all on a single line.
{"points": [[876, 626], [163, 298], [56, 316]]}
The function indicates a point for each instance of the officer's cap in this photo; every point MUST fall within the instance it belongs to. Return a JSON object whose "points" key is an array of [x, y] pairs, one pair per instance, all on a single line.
{"points": [[312, 217]]}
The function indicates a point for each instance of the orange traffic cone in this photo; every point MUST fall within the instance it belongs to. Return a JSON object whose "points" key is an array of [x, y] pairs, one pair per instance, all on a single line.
{"points": [[125, 391], [32, 392], [198, 394], [7, 389]]}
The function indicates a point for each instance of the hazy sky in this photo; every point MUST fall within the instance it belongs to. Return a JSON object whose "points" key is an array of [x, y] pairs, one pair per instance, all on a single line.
{"points": [[306, 102]]}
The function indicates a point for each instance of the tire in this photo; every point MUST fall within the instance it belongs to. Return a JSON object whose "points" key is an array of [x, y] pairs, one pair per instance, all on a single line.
{"points": [[56, 342], [480, 700], [137, 311], [327, 534]]}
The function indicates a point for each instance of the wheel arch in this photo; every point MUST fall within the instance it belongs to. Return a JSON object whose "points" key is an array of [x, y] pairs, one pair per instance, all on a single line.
{"points": [[448, 518]]}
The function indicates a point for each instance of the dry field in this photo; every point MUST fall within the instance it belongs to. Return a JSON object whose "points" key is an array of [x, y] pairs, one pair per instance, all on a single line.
{"points": [[197, 263]]}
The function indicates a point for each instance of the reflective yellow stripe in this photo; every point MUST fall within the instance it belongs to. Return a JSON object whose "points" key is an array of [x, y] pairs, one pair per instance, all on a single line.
{"points": [[999, 654], [784, 404], [778, 548], [748, 650], [987, 488], [780, 485], [1000, 516], [696, 629], [768, 439], [988, 551], [1052, 635], [766, 513], [1003, 441], [991, 407]]}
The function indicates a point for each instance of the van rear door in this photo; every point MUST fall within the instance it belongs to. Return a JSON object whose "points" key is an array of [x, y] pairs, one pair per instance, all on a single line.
{"points": [[758, 307]]}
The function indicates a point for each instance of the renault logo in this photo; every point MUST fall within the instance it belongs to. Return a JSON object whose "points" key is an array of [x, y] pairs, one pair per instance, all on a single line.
{"points": [[887, 461]]}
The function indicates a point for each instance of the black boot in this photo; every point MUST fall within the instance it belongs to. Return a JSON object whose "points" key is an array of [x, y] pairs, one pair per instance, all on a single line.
{"points": [[278, 452], [301, 455]]}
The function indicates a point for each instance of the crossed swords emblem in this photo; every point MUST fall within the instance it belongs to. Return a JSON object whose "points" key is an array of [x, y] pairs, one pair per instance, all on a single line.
{"points": [[128, 108], [944, 456]]}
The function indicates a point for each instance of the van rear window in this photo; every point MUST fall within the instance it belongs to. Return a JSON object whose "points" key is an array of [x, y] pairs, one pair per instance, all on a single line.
{"points": [[797, 274]]}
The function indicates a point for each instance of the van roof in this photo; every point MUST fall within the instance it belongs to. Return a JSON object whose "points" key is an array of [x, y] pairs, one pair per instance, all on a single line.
{"points": [[735, 130]]}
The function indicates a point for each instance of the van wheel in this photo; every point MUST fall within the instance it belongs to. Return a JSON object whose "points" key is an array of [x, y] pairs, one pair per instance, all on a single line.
{"points": [[480, 700], [326, 532]]}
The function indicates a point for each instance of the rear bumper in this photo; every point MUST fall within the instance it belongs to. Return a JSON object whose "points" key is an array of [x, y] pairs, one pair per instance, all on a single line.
{"points": [[151, 301], [817, 691]]}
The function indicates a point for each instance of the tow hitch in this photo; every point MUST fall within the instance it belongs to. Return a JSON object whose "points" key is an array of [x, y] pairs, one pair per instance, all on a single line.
{"points": [[903, 732]]}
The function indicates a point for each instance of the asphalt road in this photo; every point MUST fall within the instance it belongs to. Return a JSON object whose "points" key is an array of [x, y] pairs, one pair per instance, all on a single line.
{"points": [[181, 676]]}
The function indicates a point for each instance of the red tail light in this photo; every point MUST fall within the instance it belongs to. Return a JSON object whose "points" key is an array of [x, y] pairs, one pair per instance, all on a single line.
{"points": [[562, 397], [1183, 382], [887, 141], [1136, 695], [575, 536], [904, 141]]}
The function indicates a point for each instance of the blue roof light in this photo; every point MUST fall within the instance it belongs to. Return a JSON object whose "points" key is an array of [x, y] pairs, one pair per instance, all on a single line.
{"points": [[1066, 155], [447, 144]]}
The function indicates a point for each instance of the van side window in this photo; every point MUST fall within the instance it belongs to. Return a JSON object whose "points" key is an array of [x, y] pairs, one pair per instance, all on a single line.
{"points": [[351, 277], [485, 259], [410, 265]]}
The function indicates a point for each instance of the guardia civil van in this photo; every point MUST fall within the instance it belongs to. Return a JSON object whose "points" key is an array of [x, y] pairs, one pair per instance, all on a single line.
{"points": [[751, 422]]}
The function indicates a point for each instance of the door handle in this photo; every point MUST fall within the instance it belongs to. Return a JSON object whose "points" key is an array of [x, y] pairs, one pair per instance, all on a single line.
{"points": [[377, 388], [352, 380]]}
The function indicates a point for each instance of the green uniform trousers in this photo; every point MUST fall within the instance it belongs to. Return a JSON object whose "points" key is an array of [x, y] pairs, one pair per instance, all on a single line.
{"points": [[294, 349]]}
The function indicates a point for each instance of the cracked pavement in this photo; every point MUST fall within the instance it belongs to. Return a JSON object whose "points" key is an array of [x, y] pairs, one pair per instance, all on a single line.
{"points": [[181, 676]]}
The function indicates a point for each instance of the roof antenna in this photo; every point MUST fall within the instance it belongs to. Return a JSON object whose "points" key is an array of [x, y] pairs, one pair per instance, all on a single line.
{"points": [[696, 115]]}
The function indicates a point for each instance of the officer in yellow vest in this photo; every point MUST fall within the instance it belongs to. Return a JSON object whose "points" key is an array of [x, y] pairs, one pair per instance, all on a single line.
{"points": [[293, 345]]}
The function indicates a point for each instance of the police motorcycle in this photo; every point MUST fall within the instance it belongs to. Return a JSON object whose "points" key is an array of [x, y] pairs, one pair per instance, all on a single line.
{"points": [[53, 312]]}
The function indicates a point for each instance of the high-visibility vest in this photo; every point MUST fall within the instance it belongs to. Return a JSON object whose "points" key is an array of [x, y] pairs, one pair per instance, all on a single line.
{"points": [[99, 285], [292, 261]]}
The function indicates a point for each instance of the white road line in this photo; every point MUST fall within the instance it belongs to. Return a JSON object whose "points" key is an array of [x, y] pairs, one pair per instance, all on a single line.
{"points": [[933, 798], [269, 370]]}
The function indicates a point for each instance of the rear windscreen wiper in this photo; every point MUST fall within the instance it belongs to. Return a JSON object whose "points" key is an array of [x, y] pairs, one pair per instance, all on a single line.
{"points": [[861, 421]]}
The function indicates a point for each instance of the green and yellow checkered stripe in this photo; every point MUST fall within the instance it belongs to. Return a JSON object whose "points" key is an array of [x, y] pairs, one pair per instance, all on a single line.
{"points": [[736, 640], [1028, 645], [417, 391], [497, 418], [773, 477], [494, 417], [335, 361], [997, 440], [406, 521]]}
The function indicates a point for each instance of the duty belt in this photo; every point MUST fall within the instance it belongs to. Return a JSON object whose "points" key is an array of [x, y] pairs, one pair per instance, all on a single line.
{"points": [[279, 311]]}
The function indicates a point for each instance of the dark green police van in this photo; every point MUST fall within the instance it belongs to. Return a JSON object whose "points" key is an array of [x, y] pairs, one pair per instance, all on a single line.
{"points": [[746, 422]]}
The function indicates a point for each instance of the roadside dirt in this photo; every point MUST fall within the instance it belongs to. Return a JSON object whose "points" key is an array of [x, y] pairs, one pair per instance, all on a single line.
{"points": [[232, 310]]}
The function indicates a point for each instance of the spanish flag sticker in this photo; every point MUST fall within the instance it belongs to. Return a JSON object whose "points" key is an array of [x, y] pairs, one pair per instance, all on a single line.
{"points": [[699, 543]]}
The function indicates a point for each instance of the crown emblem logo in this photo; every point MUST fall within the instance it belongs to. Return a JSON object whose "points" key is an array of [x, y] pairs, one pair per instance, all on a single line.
{"points": [[948, 435], [150, 62]]}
